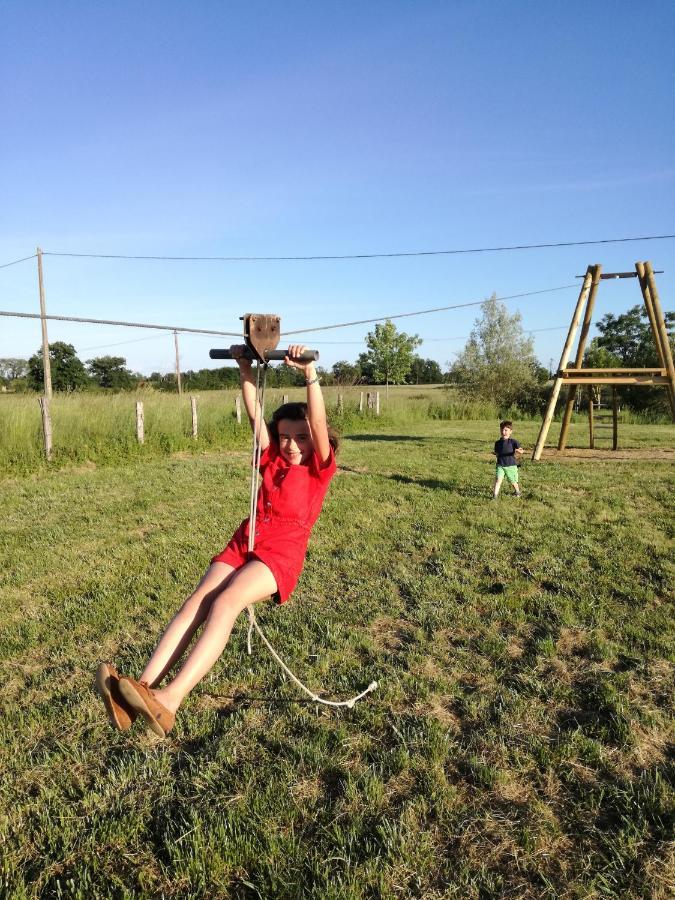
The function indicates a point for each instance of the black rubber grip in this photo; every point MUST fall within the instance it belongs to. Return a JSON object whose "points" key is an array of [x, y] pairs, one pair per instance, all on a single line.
{"points": [[270, 355]]}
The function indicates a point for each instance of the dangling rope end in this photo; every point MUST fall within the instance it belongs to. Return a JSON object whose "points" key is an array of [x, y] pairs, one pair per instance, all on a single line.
{"points": [[250, 631]]}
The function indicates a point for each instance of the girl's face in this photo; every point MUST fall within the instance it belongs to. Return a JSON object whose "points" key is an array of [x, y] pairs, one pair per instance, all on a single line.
{"points": [[295, 441]]}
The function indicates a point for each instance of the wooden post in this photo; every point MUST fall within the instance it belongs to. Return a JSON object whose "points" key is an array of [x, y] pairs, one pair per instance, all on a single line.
{"points": [[615, 421], [642, 278], [237, 408], [578, 362], [370, 400], [46, 426], [193, 407], [576, 318], [591, 430], [46, 362], [361, 402], [180, 386], [284, 398], [140, 423], [377, 401], [340, 403], [661, 326]]}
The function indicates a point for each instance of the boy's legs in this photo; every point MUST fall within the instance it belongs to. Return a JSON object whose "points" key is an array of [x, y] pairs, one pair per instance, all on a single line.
{"points": [[249, 584], [499, 477], [189, 617], [512, 476]]}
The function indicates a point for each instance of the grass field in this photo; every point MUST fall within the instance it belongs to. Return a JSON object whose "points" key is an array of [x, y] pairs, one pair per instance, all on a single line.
{"points": [[520, 743], [101, 428]]}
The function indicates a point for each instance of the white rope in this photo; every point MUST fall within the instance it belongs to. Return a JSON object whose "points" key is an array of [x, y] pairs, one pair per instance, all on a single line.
{"points": [[252, 621]]}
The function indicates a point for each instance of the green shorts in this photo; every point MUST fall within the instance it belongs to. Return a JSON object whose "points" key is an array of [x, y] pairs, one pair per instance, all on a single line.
{"points": [[511, 473]]}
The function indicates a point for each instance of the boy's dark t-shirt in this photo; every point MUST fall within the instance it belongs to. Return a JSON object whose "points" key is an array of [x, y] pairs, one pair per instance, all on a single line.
{"points": [[504, 451]]}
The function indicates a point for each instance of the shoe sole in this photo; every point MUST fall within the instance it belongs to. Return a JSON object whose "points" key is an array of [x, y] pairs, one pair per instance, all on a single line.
{"points": [[134, 699], [103, 688]]}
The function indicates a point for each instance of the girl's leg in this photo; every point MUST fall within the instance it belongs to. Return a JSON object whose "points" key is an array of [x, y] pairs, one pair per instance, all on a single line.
{"points": [[251, 583], [189, 617]]}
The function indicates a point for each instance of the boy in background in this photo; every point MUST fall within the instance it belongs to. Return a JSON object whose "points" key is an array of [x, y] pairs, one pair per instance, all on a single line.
{"points": [[508, 451]]}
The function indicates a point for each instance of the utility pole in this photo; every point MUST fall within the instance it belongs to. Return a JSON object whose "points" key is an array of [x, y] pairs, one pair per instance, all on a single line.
{"points": [[46, 367], [180, 386]]}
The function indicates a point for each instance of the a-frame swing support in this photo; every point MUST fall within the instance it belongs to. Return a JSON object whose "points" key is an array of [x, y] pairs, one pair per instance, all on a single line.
{"points": [[576, 375]]}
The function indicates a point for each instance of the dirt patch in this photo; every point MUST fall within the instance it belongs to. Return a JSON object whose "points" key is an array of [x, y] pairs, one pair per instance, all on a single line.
{"points": [[391, 634], [439, 708], [580, 453]]}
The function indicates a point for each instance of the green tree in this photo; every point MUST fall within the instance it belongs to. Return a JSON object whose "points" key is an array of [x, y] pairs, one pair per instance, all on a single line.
{"points": [[498, 362], [629, 336], [629, 340], [391, 353], [12, 368], [67, 370], [425, 371], [110, 372], [346, 374]]}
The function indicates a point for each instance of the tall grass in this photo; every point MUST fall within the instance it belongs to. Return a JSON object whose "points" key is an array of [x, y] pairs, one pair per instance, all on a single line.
{"points": [[101, 428]]}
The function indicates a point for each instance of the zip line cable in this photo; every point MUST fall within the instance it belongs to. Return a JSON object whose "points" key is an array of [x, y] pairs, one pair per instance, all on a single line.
{"points": [[422, 312], [182, 330], [338, 256], [23, 259], [179, 328]]}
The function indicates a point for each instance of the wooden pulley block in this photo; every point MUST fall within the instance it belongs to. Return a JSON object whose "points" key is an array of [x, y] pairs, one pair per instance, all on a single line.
{"points": [[262, 333]]}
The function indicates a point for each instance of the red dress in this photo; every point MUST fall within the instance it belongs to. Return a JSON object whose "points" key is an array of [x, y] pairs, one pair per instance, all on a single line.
{"points": [[289, 502]]}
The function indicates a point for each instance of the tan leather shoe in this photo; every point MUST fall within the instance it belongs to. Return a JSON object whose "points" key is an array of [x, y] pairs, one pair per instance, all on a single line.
{"points": [[121, 715], [142, 699]]}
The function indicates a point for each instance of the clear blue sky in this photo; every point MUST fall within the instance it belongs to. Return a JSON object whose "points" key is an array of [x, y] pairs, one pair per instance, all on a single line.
{"points": [[327, 128]]}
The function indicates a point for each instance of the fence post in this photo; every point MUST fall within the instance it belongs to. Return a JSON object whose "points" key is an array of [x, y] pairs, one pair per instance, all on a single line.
{"points": [[377, 403], [284, 398], [193, 406], [370, 400], [237, 408], [140, 422], [340, 403], [361, 402], [46, 426]]}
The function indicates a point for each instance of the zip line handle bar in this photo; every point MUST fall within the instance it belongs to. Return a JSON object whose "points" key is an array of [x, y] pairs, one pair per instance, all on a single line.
{"points": [[270, 355]]}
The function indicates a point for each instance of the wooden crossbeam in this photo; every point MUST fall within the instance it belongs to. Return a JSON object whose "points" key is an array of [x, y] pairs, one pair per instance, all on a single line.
{"points": [[615, 379], [626, 370]]}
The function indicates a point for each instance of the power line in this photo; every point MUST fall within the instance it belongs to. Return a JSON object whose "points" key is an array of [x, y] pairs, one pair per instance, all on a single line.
{"points": [[179, 328], [23, 259], [456, 337], [336, 256], [153, 337], [422, 312]]}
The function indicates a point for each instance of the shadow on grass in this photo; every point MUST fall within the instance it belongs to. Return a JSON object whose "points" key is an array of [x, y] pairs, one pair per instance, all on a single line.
{"points": [[387, 437]]}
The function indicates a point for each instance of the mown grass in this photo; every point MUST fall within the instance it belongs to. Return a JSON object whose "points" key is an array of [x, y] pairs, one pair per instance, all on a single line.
{"points": [[520, 743]]}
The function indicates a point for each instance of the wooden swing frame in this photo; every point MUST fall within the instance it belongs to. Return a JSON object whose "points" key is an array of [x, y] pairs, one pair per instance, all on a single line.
{"points": [[577, 375]]}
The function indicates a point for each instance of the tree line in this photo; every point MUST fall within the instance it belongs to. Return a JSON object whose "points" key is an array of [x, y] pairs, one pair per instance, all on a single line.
{"points": [[497, 364]]}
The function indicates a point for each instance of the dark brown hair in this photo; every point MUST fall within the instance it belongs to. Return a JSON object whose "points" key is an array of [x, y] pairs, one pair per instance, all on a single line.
{"points": [[296, 412], [507, 423]]}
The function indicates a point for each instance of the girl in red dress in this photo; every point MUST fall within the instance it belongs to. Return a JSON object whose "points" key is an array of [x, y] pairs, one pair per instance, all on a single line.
{"points": [[297, 464]]}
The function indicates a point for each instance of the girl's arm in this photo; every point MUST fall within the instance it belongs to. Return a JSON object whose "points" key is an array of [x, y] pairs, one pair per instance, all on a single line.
{"points": [[316, 410], [248, 393]]}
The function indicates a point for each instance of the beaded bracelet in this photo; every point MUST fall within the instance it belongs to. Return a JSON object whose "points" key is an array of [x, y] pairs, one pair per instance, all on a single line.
{"points": [[314, 380]]}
